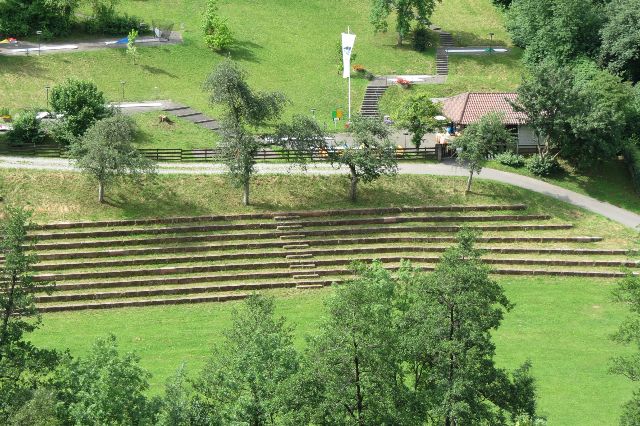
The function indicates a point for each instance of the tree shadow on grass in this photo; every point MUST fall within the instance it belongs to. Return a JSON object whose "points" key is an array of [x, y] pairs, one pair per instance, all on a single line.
{"points": [[468, 39], [152, 198], [244, 50], [158, 71], [22, 66]]}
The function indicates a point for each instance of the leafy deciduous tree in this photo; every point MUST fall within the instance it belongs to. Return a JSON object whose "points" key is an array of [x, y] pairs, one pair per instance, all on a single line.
{"points": [[371, 156], [243, 381], [620, 51], [81, 103], [480, 141], [106, 152], [217, 35], [417, 115], [227, 86], [406, 12]]}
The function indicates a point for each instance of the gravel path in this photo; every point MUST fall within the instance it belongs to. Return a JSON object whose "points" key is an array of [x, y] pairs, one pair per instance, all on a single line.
{"points": [[625, 217]]}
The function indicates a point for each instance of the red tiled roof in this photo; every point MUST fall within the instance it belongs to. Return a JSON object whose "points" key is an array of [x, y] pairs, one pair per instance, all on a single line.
{"points": [[468, 108]]}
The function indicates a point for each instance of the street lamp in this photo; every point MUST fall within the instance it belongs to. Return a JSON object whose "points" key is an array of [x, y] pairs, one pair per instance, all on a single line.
{"points": [[491, 43], [122, 83], [47, 89], [39, 33]]}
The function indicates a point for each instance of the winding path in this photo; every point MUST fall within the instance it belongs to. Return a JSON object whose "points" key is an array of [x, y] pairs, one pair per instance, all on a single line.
{"points": [[617, 214]]}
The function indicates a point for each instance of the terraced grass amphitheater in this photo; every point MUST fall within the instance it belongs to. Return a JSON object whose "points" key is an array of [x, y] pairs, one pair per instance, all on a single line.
{"points": [[110, 264]]}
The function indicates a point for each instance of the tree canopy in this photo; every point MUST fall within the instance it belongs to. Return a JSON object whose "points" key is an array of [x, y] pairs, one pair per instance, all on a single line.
{"points": [[620, 51], [406, 12]]}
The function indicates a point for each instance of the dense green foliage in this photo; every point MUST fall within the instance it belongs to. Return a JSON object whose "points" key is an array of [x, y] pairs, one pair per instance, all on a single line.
{"points": [[543, 166], [25, 17], [22, 366], [406, 12], [106, 153], [628, 291], [105, 19], [480, 141], [81, 104], [27, 129], [243, 107], [631, 154], [217, 34], [418, 116], [620, 50], [509, 158]]}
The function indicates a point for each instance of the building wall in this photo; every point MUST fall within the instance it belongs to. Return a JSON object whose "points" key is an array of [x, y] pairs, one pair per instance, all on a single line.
{"points": [[527, 141]]}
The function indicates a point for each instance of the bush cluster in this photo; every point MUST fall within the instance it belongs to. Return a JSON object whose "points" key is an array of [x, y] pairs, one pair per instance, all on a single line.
{"points": [[542, 166], [27, 129], [421, 39], [631, 155], [510, 159], [22, 18]]}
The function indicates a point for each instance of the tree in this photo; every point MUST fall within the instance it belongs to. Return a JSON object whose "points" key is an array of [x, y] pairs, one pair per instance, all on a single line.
{"points": [[353, 370], [371, 155], [27, 129], [217, 35], [40, 410], [448, 317], [25, 17], [628, 292], [176, 407], [417, 115], [406, 12], [227, 87], [547, 97], [81, 104], [132, 49], [22, 365], [300, 139], [620, 51], [480, 141], [243, 380], [106, 153], [104, 387], [562, 30]]}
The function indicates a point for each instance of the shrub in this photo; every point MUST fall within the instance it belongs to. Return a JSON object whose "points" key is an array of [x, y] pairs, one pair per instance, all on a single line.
{"points": [[24, 18], [26, 130], [217, 34], [542, 166], [81, 103], [631, 155], [421, 39], [510, 159], [359, 68], [106, 20]]}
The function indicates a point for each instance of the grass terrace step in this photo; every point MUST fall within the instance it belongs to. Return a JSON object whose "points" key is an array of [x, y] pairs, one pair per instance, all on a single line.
{"points": [[291, 225], [295, 246], [309, 254], [292, 236], [309, 286], [141, 303], [280, 215]]}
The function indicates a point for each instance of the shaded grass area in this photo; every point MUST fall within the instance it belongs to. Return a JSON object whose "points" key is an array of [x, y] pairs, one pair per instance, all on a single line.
{"points": [[180, 134], [561, 324], [471, 21], [609, 181]]}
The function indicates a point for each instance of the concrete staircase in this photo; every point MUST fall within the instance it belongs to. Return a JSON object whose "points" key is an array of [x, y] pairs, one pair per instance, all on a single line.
{"points": [[186, 113], [372, 96], [442, 57]]}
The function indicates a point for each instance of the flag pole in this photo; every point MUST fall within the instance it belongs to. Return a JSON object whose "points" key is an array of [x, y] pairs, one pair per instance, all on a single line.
{"points": [[349, 32]]}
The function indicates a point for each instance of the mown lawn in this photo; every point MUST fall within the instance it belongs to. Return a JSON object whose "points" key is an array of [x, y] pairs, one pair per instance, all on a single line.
{"points": [[180, 134], [285, 45], [561, 324]]}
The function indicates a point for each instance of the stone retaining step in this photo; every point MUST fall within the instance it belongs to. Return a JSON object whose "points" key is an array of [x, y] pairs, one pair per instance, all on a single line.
{"points": [[302, 266], [296, 214], [140, 303], [291, 225], [295, 246], [305, 276], [175, 270], [286, 218], [254, 236], [292, 236], [316, 252], [348, 241], [309, 286]]}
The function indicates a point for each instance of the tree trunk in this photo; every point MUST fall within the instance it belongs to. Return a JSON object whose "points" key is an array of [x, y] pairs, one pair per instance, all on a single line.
{"points": [[245, 194], [353, 187], [101, 192], [399, 39], [8, 311], [469, 183]]}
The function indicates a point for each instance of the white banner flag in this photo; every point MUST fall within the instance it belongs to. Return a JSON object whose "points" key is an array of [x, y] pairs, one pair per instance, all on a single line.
{"points": [[347, 46]]}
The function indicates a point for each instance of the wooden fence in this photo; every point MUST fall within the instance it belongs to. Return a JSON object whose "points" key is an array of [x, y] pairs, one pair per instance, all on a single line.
{"points": [[208, 155]]}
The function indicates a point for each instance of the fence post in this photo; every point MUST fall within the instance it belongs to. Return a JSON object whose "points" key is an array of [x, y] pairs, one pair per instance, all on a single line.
{"points": [[439, 147]]}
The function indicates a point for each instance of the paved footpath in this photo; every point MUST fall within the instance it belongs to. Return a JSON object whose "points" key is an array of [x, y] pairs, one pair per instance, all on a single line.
{"points": [[625, 217]]}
